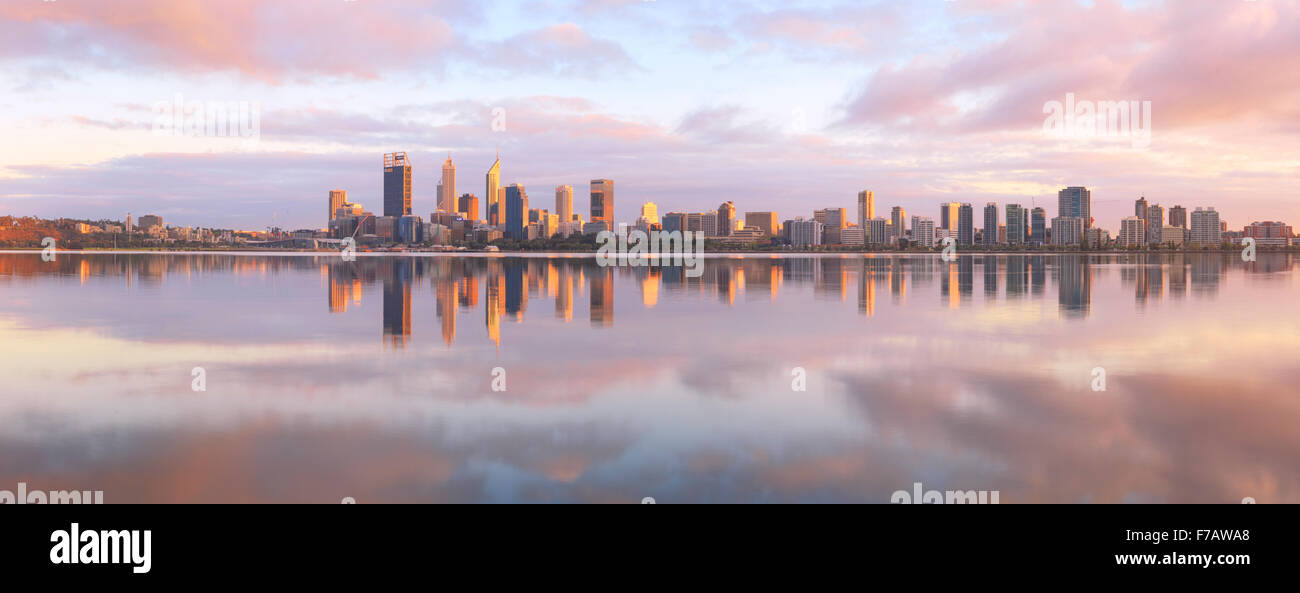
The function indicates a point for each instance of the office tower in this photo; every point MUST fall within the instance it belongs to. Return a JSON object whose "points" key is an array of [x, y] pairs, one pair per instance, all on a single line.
{"points": [[832, 217], [337, 198], [991, 223], [602, 201], [650, 212], [1155, 222], [1017, 224], [948, 213], [1038, 231], [1140, 208], [1206, 227], [763, 220], [709, 223], [1132, 232], [674, 221], [150, 221], [397, 184], [898, 216], [447, 199], [564, 202], [923, 231], [804, 233], [517, 212], [966, 224], [726, 214], [866, 207], [1075, 201], [129, 227], [1067, 230], [467, 206], [492, 193], [877, 231], [1178, 217]]}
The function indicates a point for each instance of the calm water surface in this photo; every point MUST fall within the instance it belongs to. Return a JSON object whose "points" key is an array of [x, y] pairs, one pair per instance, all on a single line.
{"points": [[373, 379]]}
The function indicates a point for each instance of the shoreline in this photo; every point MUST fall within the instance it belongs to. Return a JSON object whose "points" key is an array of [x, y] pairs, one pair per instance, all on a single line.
{"points": [[483, 253]]}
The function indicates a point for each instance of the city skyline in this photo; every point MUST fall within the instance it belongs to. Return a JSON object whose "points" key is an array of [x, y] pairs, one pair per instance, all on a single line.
{"points": [[593, 92]]}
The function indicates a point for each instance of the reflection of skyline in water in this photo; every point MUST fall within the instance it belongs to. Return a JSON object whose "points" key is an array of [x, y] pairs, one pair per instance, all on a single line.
{"points": [[506, 284], [370, 378]]}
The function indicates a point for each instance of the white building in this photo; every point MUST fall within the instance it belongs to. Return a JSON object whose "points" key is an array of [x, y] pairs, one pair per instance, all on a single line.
{"points": [[923, 230], [1067, 230], [1131, 232], [806, 232], [1206, 229]]}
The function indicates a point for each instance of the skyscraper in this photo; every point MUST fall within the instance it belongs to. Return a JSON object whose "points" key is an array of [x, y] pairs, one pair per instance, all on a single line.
{"points": [[602, 201], [991, 223], [726, 214], [898, 216], [948, 212], [516, 212], [1038, 224], [1017, 224], [1075, 201], [467, 206], [447, 201], [966, 224], [1178, 217], [493, 193], [337, 198], [397, 184], [1140, 208], [1155, 222], [866, 207], [564, 203], [1206, 230], [923, 231]]}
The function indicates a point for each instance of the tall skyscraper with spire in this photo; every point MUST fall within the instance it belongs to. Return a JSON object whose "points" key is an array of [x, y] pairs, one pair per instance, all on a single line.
{"points": [[447, 199], [492, 193]]}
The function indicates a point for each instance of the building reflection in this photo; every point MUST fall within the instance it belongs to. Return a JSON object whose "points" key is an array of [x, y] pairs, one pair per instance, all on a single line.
{"points": [[503, 286]]}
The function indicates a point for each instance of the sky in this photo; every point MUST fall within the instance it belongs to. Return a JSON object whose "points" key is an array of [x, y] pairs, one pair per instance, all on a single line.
{"points": [[785, 105]]}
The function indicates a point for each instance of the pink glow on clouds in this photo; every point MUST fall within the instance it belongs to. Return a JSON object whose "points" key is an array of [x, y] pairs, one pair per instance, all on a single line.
{"points": [[920, 118]]}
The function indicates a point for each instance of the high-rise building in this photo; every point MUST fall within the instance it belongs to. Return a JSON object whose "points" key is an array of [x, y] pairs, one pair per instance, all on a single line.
{"points": [[1206, 228], [447, 200], [602, 201], [1155, 222], [726, 214], [517, 212], [467, 206], [877, 231], [650, 213], [492, 193], [1140, 207], [806, 232], [832, 217], [130, 228], [397, 184], [337, 198], [966, 224], [1132, 232], [923, 231], [1075, 201], [948, 213], [1017, 224], [1178, 217], [991, 223], [150, 221], [1038, 224], [763, 220], [564, 202], [898, 220], [674, 221], [1067, 230], [866, 207]]}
